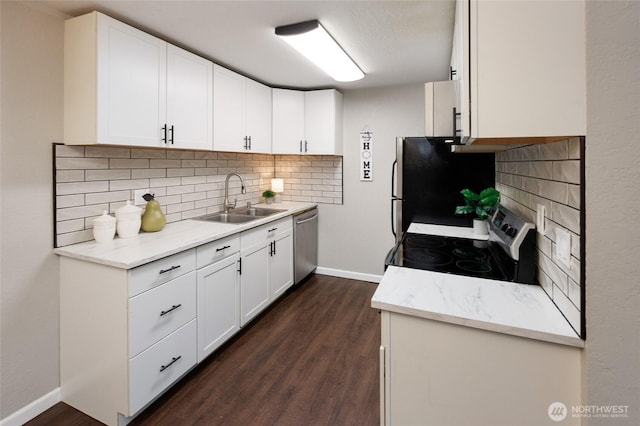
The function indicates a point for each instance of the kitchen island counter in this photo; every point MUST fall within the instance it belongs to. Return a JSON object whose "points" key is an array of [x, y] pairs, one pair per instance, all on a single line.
{"points": [[128, 253], [510, 308]]}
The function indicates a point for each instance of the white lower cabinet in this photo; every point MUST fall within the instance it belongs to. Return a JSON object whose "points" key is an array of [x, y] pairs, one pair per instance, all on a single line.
{"points": [[436, 373], [218, 294], [155, 369], [127, 335], [267, 266]]}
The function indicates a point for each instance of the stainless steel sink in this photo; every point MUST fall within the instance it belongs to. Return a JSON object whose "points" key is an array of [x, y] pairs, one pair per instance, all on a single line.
{"points": [[242, 215], [226, 218], [256, 211]]}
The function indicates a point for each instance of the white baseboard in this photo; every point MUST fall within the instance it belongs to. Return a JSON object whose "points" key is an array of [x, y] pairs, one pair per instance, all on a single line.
{"points": [[348, 274], [32, 410]]}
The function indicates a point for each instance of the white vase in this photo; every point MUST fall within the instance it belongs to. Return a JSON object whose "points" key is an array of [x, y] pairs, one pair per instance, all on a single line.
{"points": [[480, 227]]}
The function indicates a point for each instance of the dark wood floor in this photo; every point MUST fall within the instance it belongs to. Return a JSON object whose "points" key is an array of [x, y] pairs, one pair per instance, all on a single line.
{"points": [[311, 359]]}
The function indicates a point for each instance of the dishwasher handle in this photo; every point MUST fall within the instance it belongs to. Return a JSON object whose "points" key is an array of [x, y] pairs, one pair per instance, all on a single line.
{"points": [[298, 222]]}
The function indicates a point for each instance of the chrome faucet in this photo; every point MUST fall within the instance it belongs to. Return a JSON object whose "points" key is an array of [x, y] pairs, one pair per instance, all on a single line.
{"points": [[227, 205]]}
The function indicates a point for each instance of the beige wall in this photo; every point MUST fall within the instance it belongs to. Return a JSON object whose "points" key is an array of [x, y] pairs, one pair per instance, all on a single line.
{"points": [[31, 119], [357, 235], [612, 355]]}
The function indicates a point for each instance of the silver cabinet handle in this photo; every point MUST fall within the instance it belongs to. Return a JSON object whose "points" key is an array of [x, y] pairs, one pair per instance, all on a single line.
{"points": [[164, 271], [173, 308], [173, 361]]}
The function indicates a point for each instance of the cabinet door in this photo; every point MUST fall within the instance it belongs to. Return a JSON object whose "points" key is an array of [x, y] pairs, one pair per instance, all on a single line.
{"points": [[258, 116], [228, 110], [281, 264], [528, 69], [189, 100], [218, 304], [323, 122], [460, 64], [288, 121], [254, 281], [131, 85]]}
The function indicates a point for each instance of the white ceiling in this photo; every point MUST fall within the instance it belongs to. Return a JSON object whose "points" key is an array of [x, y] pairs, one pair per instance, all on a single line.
{"points": [[393, 42]]}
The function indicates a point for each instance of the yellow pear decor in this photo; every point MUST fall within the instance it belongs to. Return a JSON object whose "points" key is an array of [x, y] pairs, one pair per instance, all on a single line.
{"points": [[153, 219]]}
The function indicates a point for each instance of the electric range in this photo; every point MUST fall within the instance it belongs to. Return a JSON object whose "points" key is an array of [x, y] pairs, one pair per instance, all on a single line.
{"points": [[508, 254]]}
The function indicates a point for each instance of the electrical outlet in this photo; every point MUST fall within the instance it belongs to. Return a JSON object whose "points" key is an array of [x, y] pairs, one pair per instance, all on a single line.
{"points": [[563, 246], [138, 200], [541, 212]]}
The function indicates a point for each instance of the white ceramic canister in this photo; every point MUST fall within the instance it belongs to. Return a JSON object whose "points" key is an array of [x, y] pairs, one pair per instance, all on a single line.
{"points": [[128, 220], [104, 228]]}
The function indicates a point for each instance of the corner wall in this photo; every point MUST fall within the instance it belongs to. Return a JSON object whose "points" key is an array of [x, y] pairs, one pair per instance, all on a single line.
{"points": [[612, 354], [356, 236], [31, 106]]}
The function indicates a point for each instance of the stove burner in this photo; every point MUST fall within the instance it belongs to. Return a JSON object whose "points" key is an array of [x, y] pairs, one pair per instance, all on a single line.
{"points": [[423, 241], [471, 244], [473, 266], [428, 257], [470, 254]]}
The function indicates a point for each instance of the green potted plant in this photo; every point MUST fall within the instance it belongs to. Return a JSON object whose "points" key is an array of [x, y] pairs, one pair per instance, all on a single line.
{"points": [[268, 196], [482, 205]]}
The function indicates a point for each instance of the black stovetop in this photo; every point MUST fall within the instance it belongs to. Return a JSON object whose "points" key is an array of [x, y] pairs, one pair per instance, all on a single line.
{"points": [[460, 256]]}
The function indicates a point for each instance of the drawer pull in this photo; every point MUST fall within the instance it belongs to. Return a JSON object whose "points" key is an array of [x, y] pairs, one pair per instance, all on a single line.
{"points": [[164, 271], [173, 308], [222, 248], [173, 361], [272, 229]]}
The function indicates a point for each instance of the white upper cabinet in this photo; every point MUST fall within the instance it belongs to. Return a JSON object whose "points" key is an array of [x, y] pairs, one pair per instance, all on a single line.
{"points": [[523, 71], [189, 99], [125, 87], [307, 122], [241, 113]]}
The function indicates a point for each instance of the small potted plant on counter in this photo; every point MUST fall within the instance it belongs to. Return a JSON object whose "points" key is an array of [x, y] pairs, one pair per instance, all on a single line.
{"points": [[268, 196], [483, 205]]}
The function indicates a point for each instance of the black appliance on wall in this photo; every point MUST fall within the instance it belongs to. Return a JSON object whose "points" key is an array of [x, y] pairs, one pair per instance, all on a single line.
{"points": [[427, 190], [427, 179]]}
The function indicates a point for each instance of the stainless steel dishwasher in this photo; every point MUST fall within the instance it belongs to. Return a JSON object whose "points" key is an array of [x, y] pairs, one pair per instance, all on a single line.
{"points": [[305, 243]]}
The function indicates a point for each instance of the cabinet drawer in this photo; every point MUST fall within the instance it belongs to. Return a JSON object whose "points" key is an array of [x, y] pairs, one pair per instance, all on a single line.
{"points": [[155, 369], [217, 250], [152, 274], [160, 311], [264, 232]]}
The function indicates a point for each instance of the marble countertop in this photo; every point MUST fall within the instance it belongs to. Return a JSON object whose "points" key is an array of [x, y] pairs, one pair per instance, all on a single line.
{"points": [[127, 253], [511, 308]]}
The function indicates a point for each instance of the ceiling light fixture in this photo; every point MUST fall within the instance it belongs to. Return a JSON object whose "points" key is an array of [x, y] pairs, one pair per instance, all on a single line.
{"points": [[316, 44]]}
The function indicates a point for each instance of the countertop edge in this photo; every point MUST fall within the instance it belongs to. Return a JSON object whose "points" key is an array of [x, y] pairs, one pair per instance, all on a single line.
{"points": [[74, 252], [481, 325]]}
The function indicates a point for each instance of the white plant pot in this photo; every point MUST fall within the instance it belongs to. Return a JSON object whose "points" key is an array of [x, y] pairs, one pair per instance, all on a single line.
{"points": [[480, 227]]}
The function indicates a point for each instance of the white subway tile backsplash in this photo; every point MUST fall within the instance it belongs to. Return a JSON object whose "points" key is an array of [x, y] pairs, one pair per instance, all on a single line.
{"points": [[555, 151], [107, 197], [118, 185], [148, 173], [107, 174], [80, 212], [186, 183], [107, 152], [68, 163], [69, 176], [129, 163], [567, 171], [549, 174], [570, 311], [81, 187]]}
